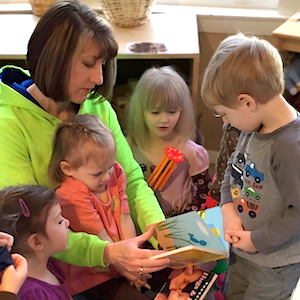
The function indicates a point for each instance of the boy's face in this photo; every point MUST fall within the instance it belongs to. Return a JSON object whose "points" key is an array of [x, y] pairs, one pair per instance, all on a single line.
{"points": [[239, 117]]}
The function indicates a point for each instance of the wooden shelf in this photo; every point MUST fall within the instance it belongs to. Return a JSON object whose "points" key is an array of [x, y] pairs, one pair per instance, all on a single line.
{"points": [[178, 32], [288, 34]]}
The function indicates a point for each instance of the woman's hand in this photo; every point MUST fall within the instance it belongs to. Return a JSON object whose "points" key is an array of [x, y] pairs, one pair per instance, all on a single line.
{"points": [[6, 239], [14, 275], [132, 262], [231, 221]]}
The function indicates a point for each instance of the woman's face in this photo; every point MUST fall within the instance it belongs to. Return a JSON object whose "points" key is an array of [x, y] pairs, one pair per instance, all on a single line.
{"points": [[86, 71]]}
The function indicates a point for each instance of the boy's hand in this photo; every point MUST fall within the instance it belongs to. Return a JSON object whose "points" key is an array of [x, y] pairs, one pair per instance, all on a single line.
{"points": [[244, 240], [231, 221], [6, 239]]}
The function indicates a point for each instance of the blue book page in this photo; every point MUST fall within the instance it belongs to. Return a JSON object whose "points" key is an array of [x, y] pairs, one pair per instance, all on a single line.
{"points": [[185, 230], [214, 219]]}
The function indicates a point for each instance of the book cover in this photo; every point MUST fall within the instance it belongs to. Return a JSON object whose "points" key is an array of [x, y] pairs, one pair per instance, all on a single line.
{"points": [[214, 219], [192, 238], [181, 285]]}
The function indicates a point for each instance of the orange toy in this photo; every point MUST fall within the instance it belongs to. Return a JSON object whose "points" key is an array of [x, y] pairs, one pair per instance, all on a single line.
{"points": [[165, 168]]}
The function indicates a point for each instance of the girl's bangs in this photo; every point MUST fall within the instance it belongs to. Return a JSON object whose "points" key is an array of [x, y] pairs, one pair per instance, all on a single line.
{"points": [[164, 100]]}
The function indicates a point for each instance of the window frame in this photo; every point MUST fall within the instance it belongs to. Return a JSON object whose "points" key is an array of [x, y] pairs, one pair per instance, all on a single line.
{"points": [[253, 4]]}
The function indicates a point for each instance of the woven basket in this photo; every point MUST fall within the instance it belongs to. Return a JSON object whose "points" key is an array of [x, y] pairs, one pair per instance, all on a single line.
{"points": [[39, 7], [127, 13]]}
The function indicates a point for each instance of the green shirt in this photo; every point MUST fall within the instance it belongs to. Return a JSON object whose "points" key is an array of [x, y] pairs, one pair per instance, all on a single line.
{"points": [[25, 151]]}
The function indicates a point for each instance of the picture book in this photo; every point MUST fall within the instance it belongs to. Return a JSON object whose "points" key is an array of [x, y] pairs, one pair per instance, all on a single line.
{"points": [[181, 285], [192, 238]]}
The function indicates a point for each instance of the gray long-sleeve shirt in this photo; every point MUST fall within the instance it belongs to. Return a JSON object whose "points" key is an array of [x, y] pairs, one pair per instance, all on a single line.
{"points": [[263, 181]]}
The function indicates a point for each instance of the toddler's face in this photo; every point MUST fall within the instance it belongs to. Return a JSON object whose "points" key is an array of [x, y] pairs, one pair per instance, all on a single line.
{"points": [[96, 171]]}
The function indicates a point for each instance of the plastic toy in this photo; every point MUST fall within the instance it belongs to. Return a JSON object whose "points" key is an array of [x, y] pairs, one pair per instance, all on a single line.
{"points": [[165, 168]]}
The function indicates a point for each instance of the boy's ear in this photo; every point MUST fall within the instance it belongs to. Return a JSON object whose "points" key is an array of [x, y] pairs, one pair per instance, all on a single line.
{"points": [[66, 168], [248, 101], [34, 242]]}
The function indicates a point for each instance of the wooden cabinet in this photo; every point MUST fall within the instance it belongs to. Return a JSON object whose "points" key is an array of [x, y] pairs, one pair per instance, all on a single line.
{"points": [[179, 33]]}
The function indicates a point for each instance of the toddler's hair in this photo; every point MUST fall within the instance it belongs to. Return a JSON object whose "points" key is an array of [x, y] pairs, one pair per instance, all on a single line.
{"points": [[164, 89], [242, 65], [70, 137], [13, 220]]}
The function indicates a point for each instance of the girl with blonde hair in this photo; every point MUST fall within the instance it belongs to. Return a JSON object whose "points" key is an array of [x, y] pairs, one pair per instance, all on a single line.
{"points": [[161, 115]]}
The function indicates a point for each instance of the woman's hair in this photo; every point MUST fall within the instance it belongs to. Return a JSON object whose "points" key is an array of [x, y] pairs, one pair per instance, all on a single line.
{"points": [[242, 65], [69, 139], [164, 89], [13, 213], [62, 31]]}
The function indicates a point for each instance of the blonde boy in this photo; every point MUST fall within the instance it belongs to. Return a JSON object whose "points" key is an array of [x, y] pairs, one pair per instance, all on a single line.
{"points": [[260, 194]]}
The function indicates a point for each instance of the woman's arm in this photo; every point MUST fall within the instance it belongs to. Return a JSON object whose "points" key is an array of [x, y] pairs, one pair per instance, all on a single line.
{"points": [[84, 250]]}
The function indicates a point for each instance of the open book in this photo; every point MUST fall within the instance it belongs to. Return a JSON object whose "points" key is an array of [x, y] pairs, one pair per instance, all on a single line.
{"points": [[192, 238]]}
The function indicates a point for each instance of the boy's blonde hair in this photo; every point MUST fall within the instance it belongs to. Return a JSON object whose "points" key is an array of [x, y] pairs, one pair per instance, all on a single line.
{"points": [[242, 65], [164, 89], [69, 139]]}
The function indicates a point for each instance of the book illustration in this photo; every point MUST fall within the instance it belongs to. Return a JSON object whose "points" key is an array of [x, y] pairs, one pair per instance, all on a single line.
{"points": [[189, 240], [182, 285], [214, 219]]}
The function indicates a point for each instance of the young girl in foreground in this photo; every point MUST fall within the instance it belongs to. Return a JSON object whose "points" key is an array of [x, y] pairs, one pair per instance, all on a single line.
{"points": [[91, 191], [161, 115], [32, 215]]}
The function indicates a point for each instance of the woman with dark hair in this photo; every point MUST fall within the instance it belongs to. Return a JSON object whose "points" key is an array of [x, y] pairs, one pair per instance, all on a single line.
{"points": [[71, 62]]}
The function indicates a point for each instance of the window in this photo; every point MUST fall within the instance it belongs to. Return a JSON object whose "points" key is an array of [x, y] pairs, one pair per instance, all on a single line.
{"points": [[270, 4], [283, 7]]}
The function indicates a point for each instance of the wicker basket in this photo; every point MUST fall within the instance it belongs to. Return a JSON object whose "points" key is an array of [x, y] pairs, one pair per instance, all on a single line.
{"points": [[127, 13], [39, 7]]}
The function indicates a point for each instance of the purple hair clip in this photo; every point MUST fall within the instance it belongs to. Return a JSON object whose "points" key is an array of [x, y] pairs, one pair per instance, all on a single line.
{"points": [[24, 208]]}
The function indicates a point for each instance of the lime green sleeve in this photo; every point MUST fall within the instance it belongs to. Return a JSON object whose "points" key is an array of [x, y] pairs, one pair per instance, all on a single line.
{"points": [[83, 250]]}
